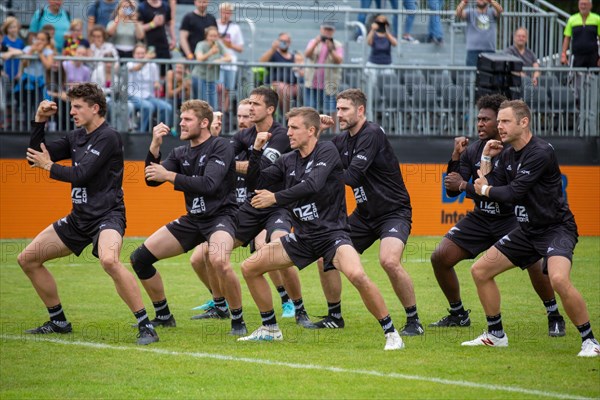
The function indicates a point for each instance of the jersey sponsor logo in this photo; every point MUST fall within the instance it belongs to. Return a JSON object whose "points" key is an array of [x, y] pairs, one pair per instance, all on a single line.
{"points": [[361, 157], [241, 194], [360, 195], [79, 195], [221, 163], [271, 154], [198, 206], [490, 207], [521, 214], [321, 164], [307, 212], [96, 152]]}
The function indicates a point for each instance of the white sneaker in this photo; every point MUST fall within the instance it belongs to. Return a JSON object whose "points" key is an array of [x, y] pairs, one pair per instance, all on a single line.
{"points": [[487, 339], [393, 341], [590, 348], [264, 333]]}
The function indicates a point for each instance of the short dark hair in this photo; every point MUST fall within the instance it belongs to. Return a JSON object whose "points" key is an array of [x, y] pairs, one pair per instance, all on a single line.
{"points": [[270, 96], [356, 96], [91, 94], [491, 101]]}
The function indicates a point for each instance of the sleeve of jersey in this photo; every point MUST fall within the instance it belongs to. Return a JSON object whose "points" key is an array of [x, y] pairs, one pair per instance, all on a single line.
{"points": [[568, 28], [95, 159], [316, 179], [156, 160], [265, 178], [527, 176], [275, 148], [236, 143], [364, 153], [58, 149], [216, 169], [454, 166]]}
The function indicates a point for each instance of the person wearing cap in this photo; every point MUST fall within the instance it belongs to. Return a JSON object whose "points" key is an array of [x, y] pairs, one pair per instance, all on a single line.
{"points": [[321, 84]]}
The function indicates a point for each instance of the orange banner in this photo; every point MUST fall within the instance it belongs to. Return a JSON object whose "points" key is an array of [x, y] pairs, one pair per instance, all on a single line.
{"points": [[30, 200]]}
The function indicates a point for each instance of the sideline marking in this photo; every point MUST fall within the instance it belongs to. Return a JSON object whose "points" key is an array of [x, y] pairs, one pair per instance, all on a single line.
{"points": [[394, 375]]}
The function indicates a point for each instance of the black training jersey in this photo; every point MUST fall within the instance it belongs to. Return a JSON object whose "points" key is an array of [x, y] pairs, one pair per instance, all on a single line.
{"points": [[241, 190], [372, 170], [531, 180], [243, 142], [96, 174], [470, 161], [313, 188], [205, 174]]}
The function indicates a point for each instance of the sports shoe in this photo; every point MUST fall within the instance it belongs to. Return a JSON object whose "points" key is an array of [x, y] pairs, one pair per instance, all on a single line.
{"points": [[50, 327], [239, 329], [458, 320], [165, 323], [556, 327], [393, 341], [412, 328], [147, 335], [264, 333], [210, 303], [329, 322], [289, 311], [213, 312], [303, 320], [487, 339], [409, 39], [590, 348]]}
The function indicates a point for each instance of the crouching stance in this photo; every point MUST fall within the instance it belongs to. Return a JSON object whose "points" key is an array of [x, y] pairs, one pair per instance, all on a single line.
{"points": [[313, 188]]}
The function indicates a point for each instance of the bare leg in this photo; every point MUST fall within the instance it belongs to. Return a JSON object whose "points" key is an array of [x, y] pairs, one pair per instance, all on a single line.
{"points": [[491, 264], [390, 254], [220, 248], [331, 282], [559, 270], [44, 247], [443, 260]]}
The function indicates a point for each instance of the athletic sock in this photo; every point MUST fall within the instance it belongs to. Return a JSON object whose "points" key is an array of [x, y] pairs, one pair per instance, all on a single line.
{"points": [[142, 318], [551, 308], [457, 308], [495, 325], [268, 318], [220, 304], [585, 331], [411, 313], [299, 305], [162, 310], [283, 294], [334, 310], [386, 324], [57, 315]]}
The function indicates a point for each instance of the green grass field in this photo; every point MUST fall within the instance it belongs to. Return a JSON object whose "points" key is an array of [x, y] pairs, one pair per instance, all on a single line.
{"points": [[199, 360]]}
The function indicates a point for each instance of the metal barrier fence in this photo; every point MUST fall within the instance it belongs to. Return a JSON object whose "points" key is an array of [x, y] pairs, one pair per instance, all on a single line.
{"points": [[405, 100]]}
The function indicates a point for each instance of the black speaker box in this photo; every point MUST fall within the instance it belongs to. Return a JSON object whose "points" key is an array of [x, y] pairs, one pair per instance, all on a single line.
{"points": [[492, 62]]}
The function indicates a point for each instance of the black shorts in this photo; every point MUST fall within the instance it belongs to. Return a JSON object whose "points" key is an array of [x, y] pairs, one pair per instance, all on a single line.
{"points": [[77, 234], [190, 232], [303, 252], [524, 249], [585, 60], [250, 221], [477, 232], [364, 233]]}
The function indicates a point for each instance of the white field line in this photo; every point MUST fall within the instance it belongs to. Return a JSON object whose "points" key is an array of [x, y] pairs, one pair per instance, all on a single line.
{"points": [[346, 371]]}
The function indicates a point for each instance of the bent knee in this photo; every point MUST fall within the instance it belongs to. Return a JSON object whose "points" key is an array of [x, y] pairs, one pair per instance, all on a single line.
{"points": [[359, 279], [110, 264], [390, 264], [27, 263], [479, 273]]}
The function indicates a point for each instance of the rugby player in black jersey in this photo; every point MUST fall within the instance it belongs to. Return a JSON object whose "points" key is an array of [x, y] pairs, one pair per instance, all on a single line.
{"points": [[312, 188], [481, 228], [527, 175], [98, 213], [383, 209], [204, 170]]}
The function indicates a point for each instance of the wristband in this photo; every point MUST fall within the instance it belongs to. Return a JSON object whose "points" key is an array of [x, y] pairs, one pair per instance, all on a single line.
{"points": [[190, 56], [152, 25], [486, 158], [484, 189]]}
